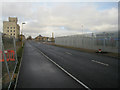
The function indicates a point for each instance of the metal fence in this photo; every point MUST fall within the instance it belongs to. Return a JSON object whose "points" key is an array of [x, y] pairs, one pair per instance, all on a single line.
{"points": [[108, 42], [8, 59], [0, 62]]}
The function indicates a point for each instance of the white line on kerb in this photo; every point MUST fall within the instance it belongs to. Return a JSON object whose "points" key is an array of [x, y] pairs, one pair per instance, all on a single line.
{"points": [[66, 72], [100, 63], [68, 53]]}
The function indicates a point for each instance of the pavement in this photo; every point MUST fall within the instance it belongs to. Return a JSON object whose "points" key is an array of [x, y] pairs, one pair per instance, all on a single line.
{"points": [[37, 71], [95, 71]]}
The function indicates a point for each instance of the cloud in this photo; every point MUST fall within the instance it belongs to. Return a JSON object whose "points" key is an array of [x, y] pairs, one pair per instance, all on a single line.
{"points": [[47, 18]]}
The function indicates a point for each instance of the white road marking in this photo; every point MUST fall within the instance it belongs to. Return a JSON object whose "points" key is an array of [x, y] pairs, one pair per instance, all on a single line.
{"points": [[100, 63], [68, 53], [65, 71]]}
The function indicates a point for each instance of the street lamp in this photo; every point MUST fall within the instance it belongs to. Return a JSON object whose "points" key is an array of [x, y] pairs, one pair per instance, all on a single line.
{"points": [[82, 35], [22, 35], [82, 28]]}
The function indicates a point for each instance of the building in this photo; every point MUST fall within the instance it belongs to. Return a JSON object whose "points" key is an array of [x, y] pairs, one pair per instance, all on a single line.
{"points": [[41, 38], [51, 39], [44, 39], [11, 27], [29, 38]]}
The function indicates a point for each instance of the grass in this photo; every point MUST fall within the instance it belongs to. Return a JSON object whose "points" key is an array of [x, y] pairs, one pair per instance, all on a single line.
{"points": [[19, 56]]}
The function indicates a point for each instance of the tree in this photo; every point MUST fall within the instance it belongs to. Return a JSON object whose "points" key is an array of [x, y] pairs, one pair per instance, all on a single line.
{"points": [[29, 38]]}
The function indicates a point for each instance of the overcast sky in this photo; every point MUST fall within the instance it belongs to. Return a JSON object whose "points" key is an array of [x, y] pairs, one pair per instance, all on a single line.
{"points": [[62, 18]]}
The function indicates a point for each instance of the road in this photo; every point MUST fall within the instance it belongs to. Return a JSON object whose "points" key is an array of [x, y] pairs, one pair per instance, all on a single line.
{"points": [[36, 71], [95, 71]]}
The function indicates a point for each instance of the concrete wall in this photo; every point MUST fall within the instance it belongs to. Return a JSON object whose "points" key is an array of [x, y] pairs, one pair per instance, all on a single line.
{"points": [[107, 42]]}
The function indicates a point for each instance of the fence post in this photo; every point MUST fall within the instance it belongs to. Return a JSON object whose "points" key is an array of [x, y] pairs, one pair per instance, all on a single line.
{"points": [[15, 49]]}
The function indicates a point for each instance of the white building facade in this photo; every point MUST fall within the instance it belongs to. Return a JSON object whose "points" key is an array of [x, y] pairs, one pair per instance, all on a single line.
{"points": [[11, 27]]}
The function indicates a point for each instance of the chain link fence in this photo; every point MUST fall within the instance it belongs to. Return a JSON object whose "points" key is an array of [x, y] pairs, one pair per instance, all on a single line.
{"points": [[107, 41], [8, 59]]}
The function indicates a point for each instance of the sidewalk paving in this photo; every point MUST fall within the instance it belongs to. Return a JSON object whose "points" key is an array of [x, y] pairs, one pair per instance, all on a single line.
{"points": [[38, 72]]}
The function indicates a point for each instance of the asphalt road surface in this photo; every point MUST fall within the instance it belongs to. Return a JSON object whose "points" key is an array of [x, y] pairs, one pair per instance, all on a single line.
{"points": [[37, 71], [95, 71]]}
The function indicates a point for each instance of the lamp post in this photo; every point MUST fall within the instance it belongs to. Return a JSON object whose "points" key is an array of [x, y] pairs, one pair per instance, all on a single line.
{"points": [[82, 33], [82, 28], [22, 35]]}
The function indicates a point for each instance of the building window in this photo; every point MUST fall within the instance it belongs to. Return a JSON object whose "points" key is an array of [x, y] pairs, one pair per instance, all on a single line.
{"points": [[7, 27], [14, 30], [14, 27], [10, 27], [11, 30], [8, 30]]}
